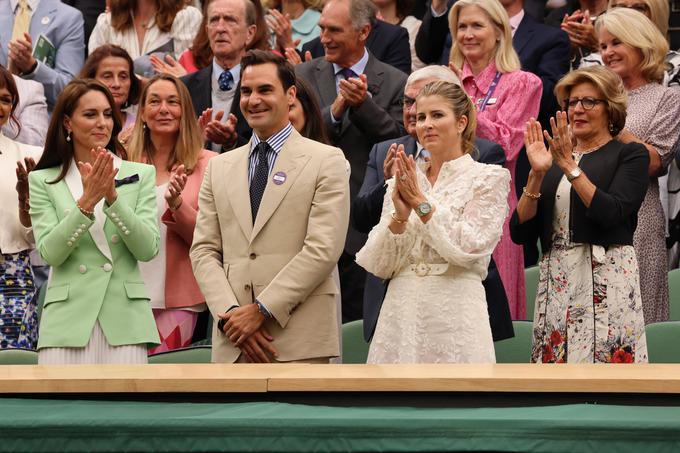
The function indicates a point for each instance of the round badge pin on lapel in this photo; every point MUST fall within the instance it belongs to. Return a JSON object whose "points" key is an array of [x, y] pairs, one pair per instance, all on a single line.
{"points": [[279, 178], [45, 20]]}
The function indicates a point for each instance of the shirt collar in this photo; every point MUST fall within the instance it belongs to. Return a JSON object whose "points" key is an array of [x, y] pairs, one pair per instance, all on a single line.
{"points": [[33, 4], [516, 20], [484, 79], [235, 72], [358, 68], [276, 141]]}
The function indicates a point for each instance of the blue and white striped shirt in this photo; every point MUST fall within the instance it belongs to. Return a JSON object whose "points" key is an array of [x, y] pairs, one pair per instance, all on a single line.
{"points": [[276, 143]]}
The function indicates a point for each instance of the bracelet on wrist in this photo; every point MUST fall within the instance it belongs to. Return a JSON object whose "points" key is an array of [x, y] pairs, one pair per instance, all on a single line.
{"points": [[84, 211], [397, 219], [533, 196]]}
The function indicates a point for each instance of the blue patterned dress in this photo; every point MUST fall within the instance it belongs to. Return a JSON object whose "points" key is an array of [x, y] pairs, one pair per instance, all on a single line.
{"points": [[18, 316]]}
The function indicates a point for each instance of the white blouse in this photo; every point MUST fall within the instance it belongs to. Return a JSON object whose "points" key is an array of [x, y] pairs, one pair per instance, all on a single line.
{"points": [[182, 33]]}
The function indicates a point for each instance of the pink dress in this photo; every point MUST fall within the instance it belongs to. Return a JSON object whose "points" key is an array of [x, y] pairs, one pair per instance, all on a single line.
{"points": [[516, 98]]}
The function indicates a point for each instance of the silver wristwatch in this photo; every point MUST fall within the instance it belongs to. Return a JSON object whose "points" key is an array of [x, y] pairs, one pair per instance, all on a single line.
{"points": [[573, 174], [423, 209]]}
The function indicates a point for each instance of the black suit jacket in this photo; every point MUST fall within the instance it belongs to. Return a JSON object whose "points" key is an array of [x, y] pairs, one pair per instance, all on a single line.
{"points": [[619, 173], [378, 118], [366, 211], [388, 43], [199, 85]]}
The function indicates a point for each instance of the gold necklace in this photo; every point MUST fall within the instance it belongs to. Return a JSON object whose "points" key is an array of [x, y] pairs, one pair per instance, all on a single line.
{"points": [[589, 150]]}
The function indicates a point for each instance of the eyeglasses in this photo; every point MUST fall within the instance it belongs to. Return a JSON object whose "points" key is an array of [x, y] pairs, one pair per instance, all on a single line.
{"points": [[408, 101], [587, 103], [640, 7]]}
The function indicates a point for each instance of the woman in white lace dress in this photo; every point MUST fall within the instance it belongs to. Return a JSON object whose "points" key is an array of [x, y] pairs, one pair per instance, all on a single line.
{"points": [[434, 240]]}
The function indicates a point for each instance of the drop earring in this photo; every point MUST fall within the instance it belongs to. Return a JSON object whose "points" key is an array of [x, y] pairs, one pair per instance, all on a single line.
{"points": [[68, 136]]}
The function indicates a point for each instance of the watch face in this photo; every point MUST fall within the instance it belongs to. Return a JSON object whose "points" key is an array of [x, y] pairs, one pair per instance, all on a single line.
{"points": [[424, 209]]}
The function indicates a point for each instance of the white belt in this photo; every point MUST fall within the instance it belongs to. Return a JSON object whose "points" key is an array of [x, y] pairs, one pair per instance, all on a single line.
{"points": [[424, 269]]}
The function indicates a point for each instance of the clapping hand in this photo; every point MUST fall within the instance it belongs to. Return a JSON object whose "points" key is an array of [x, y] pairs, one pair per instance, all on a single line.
{"points": [[540, 158], [167, 66], [173, 194], [560, 144], [23, 169], [580, 29], [354, 90], [217, 132], [20, 55], [388, 165], [283, 29], [293, 56], [98, 179]]}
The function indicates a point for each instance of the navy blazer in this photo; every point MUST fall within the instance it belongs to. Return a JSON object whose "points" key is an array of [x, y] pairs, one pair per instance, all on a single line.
{"points": [[199, 85], [388, 43], [366, 210]]}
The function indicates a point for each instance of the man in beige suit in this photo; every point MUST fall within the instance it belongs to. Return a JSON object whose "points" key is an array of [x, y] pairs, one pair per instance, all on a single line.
{"points": [[272, 220]]}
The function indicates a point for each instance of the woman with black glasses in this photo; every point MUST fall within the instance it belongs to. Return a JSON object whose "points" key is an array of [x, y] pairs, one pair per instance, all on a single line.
{"points": [[582, 199]]}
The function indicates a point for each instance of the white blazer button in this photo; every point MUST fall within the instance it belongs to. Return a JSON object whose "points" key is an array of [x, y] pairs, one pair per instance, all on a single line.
{"points": [[69, 243], [82, 225], [107, 267], [114, 238], [82, 268], [127, 232], [120, 224], [79, 231], [76, 234]]}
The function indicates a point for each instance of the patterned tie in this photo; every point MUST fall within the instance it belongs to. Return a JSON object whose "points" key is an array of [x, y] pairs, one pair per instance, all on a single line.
{"points": [[22, 20], [226, 81], [259, 182], [347, 73]]}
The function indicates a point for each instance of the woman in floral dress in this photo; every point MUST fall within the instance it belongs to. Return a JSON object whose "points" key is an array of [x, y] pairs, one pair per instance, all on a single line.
{"points": [[582, 201]]}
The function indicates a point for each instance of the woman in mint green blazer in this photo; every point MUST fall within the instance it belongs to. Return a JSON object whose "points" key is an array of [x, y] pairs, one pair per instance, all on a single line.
{"points": [[94, 217]]}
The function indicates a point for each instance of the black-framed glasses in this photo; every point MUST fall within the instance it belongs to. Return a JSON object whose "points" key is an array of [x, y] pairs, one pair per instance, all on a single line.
{"points": [[587, 102], [408, 101]]}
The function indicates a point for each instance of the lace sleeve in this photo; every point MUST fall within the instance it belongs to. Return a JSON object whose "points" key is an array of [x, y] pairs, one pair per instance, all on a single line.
{"points": [[385, 252], [462, 234]]}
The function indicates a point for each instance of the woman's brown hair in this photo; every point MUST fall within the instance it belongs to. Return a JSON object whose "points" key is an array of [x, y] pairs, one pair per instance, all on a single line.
{"points": [[89, 70], [7, 81], [121, 13]]}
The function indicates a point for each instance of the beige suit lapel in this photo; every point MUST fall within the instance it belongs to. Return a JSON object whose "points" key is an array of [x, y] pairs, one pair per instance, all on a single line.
{"points": [[290, 162], [238, 191]]}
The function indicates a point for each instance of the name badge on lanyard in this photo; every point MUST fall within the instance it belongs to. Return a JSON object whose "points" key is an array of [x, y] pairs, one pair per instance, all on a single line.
{"points": [[488, 100]]}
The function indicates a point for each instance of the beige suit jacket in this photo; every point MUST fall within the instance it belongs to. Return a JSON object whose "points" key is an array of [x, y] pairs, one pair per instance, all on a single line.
{"points": [[286, 258]]}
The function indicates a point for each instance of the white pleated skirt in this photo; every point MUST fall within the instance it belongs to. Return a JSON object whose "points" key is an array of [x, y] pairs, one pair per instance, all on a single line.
{"points": [[97, 351]]}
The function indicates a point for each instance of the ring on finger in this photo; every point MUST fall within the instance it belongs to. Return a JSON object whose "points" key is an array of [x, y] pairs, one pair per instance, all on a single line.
{"points": [[402, 177]]}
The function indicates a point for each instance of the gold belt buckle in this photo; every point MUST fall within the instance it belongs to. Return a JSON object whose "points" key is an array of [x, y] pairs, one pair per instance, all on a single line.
{"points": [[422, 269]]}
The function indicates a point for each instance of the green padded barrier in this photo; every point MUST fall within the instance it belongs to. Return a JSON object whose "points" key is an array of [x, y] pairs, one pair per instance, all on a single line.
{"points": [[354, 348], [518, 348], [531, 283], [674, 294], [199, 354], [663, 339], [18, 357]]}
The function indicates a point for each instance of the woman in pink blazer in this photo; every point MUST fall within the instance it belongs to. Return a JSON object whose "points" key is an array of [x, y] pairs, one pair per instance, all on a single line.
{"points": [[167, 136]]}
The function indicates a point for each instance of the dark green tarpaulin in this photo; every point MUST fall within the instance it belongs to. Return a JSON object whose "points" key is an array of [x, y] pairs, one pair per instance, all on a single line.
{"points": [[33, 425]]}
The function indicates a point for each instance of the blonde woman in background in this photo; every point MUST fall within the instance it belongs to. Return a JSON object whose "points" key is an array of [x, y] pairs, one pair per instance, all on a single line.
{"points": [[632, 46], [167, 136]]}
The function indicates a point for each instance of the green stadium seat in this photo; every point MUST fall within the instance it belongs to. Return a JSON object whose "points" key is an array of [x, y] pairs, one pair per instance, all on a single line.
{"points": [[663, 339], [18, 357], [674, 294], [531, 284], [194, 354], [354, 348], [518, 348]]}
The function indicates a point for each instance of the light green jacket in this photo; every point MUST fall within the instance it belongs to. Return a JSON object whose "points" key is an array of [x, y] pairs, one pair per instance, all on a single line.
{"points": [[94, 270]]}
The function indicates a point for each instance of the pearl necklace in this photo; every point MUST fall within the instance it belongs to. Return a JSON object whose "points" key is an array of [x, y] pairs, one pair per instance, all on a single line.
{"points": [[590, 150]]}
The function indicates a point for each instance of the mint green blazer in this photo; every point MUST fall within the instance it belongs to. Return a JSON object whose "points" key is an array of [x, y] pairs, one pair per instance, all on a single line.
{"points": [[95, 276]]}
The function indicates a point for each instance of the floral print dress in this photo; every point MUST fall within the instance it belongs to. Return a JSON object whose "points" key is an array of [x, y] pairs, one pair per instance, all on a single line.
{"points": [[18, 315], [588, 303]]}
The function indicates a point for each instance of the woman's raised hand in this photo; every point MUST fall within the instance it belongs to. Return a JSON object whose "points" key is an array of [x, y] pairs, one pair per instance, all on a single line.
{"points": [[561, 145], [540, 158], [98, 179], [22, 170], [173, 194]]}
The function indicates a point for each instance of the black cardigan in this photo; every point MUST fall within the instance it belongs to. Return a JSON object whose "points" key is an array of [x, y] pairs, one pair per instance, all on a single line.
{"points": [[620, 174]]}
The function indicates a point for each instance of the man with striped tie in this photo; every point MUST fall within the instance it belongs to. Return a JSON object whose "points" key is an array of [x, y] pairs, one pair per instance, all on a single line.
{"points": [[272, 220]]}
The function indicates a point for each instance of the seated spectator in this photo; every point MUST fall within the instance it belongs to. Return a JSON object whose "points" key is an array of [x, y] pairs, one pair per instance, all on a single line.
{"points": [[578, 18], [632, 46], [167, 136], [506, 98], [112, 66], [582, 200], [19, 320], [145, 27], [30, 112], [305, 113], [94, 219], [398, 12], [61, 25], [293, 22]]}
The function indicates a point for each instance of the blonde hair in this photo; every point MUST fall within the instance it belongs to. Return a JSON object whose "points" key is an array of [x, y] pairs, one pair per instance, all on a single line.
{"points": [[659, 13], [505, 56], [610, 86], [461, 105], [637, 31], [189, 142]]}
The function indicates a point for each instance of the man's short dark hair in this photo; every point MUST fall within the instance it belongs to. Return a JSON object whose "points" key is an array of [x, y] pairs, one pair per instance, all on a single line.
{"points": [[284, 69]]}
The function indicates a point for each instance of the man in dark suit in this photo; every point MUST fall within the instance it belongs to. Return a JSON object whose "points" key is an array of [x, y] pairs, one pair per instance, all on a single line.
{"points": [[367, 206], [386, 42], [361, 105], [214, 89]]}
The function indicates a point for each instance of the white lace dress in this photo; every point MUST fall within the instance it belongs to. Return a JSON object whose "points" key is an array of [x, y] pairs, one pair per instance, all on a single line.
{"points": [[439, 318]]}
